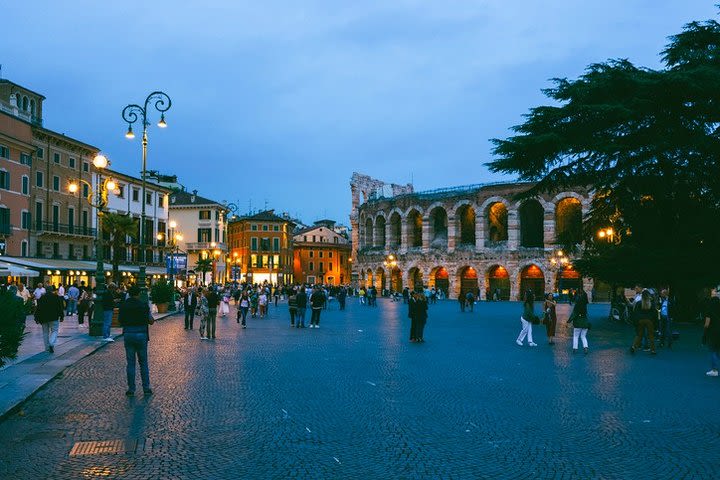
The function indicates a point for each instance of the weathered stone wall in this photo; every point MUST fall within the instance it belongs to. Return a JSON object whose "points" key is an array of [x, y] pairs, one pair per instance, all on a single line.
{"points": [[424, 230]]}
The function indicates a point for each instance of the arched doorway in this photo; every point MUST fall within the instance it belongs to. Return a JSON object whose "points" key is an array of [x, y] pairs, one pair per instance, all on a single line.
{"points": [[369, 278], [415, 280], [396, 280], [568, 221], [380, 232], [438, 228], [497, 224], [532, 278], [468, 281], [440, 279], [499, 283], [466, 218], [380, 280], [395, 229], [568, 279], [532, 217], [414, 227]]}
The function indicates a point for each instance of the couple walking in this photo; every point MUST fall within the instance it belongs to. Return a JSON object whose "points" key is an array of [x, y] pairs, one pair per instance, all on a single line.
{"points": [[417, 311]]}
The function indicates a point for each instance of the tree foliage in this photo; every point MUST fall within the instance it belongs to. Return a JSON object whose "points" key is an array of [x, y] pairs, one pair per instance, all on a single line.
{"points": [[118, 227], [646, 143], [12, 323], [203, 265]]}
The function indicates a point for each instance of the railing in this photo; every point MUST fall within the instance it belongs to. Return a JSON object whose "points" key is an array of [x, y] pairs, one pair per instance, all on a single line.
{"points": [[52, 227], [377, 196], [206, 246], [6, 229], [16, 112]]}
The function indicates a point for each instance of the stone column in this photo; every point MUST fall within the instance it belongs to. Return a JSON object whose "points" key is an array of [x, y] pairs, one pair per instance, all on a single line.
{"points": [[388, 239], [549, 228], [514, 287], [513, 230], [479, 232], [454, 286], [404, 235], [451, 234], [426, 235]]}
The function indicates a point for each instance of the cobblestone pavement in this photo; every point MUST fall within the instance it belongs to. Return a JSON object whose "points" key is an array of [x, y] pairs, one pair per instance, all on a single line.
{"points": [[355, 399]]}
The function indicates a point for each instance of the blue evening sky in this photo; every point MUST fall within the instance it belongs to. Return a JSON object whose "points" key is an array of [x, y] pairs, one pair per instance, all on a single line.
{"points": [[280, 101]]}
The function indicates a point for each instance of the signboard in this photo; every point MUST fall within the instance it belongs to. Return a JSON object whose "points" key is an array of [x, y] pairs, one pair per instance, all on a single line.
{"points": [[175, 263]]}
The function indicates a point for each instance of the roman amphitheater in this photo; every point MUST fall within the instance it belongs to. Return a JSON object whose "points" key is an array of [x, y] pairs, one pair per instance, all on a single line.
{"points": [[469, 238]]}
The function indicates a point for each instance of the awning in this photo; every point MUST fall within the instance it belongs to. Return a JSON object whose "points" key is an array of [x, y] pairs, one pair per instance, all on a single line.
{"points": [[8, 270], [58, 266]]}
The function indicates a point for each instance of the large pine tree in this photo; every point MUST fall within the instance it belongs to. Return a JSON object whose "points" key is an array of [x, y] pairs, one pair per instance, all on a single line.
{"points": [[647, 143]]}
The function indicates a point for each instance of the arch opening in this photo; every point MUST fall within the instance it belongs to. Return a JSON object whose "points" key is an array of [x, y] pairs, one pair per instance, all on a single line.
{"points": [[369, 233], [469, 282], [438, 228], [396, 280], [414, 226], [497, 224], [380, 232], [440, 279], [532, 278], [531, 224], [568, 221], [498, 281], [466, 218], [395, 231], [415, 279]]}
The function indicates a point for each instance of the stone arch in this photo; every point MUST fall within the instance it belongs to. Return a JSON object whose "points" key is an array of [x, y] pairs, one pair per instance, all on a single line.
{"points": [[395, 235], [568, 279], [532, 219], [496, 223], [531, 277], [369, 233], [468, 281], [438, 222], [568, 220], [380, 280], [465, 217], [396, 283], [369, 278], [414, 228], [498, 283], [25, 104], [415, 279], [440, 279], [379, 235]]}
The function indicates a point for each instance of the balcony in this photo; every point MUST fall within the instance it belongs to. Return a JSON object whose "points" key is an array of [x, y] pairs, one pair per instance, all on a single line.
{"points": [[6, 229], [196, 246], [52, 227], [16, 112]]}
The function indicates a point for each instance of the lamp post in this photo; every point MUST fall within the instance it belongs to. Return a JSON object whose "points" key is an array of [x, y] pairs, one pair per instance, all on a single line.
{"points": [[98, 197], [216, 256], [391, 264], [131, 114]]}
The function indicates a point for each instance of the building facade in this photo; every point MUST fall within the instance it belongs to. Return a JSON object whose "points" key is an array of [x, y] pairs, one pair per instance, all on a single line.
{"points": [[321, 255], [471, 238], [261, 248], [201, 222]]}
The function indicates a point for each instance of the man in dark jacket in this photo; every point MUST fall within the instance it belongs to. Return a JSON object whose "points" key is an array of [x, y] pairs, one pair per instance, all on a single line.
{"points": [[135, 317], [213, 300], [49, 310], [190, 304], [317, 300], [301, 300], [108, 303]]}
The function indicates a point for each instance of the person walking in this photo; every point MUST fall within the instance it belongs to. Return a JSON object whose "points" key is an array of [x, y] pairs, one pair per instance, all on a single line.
{"points": [[225, 303], [711, 335], [263, 303], [469, 301], [361, 295], [301, 300], [461, 299], [341, 297], [550, 317], [244, 306], [421, 315], [644, 316], [526, 320], [85, 307], [665, 319], [292, 307], [203, 311], [190, 301], [48, 312], [317, 299], [135, 317], [73, 295], [412, 300], [213, 300], [579, 320], [107, 303]]}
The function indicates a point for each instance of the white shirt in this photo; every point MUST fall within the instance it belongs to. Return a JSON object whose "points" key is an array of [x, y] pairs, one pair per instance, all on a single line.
{"points": [[39, 292]]}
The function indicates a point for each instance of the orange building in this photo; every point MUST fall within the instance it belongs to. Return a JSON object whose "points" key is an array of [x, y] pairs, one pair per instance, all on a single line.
{"points": [[261, 248], [321, 255]]}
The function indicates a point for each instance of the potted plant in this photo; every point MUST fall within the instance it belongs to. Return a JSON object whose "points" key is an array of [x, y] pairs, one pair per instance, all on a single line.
{"points": [[161, 293]]}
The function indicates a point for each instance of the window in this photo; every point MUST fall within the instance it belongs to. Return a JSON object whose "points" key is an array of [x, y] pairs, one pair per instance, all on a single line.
{"points": [[311, 254], [253, 244], [276, 260], [40, 153], [5, 179], [311, 266], [265, 244], [313, 238], [25, 220], [336, 240], [276, 228], [38, 215], [264, 261], [321, 266], [25, 185], [253, 228], [85, 220], [4, 219], [86, 167], [204, 235], [320, 254], [121, 191], [148, 198], [136, 195], [24, 248], [56, 250], [56, 157], [4, 152], [276, 244], [253, 261], [304, 238], [265, 228], [71, 251], [217, 235], [39, 248], [85, 251], [217, 215], [329, 266], [25, 159], [329, 254], [204, 214], [39, 179], [56, 183], [86, 190], [71, 162]]}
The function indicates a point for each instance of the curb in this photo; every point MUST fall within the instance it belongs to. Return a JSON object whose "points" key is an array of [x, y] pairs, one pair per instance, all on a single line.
{"points": [[23, 380]]}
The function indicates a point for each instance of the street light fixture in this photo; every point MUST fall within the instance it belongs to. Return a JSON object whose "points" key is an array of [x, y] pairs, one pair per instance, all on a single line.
{"points": [[98, 197], [131, 114]]}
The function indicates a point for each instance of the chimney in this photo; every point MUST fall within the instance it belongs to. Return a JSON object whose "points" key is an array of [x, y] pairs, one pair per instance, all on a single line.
{"points": [[193, 196]]}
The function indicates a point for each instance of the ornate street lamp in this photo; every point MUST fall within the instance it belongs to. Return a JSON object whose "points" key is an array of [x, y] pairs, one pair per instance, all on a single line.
{"points": [[98, 198], [131, 114]]}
